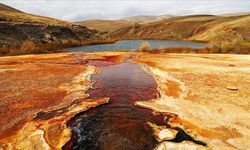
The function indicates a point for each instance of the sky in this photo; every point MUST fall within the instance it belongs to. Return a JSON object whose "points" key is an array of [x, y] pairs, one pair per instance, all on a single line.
{"points": [[78, 10]]}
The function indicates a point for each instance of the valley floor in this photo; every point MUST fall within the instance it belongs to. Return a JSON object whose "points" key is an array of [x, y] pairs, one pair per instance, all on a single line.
{"points": [[206, 95]]}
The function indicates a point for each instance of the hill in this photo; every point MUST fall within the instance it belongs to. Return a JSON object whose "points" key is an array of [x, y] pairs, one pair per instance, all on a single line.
{"points": [[20, 31], [235, 14], [8, 8], [106, 25], [224, 28], [193, 27]]}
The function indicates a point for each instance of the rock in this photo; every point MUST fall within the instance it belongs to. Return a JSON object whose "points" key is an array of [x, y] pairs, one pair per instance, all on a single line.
{"points": [[233, 88], [47, 36], [166, 134], [15, 35], [162, 133], [179, 146]]}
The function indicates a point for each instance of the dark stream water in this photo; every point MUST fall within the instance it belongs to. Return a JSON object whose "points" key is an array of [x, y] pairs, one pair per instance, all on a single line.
{"points": [[119, 125]]}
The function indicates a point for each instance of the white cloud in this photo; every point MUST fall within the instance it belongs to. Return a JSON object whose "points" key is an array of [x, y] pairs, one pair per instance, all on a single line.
{"points": [[77, 10]]}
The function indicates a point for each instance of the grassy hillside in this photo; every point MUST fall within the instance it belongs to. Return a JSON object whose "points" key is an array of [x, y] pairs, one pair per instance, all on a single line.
{"points": [[226, 34], [21, 31], [194, 27], [8, 8], [235, 14], [224, 28], [106, 25]]}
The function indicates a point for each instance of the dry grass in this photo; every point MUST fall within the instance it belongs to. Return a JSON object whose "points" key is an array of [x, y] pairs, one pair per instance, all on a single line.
{"points": [[175, 49], [205, 50], [198, 27], [144, 47], [105, 26], [236, 45], [30, 18], [29, 47], [180, 49]]}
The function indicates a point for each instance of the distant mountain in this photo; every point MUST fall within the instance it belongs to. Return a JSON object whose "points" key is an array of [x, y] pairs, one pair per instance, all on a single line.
{"points": [[144, 19], [235, 14]]}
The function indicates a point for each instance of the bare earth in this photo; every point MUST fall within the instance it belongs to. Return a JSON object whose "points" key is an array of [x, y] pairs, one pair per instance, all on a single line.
{"points": [[208, 96]]}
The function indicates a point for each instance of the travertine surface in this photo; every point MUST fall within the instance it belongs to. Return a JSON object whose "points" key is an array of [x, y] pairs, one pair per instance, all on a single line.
{"points": [[204, 106], [207, 96], [39, 93]]}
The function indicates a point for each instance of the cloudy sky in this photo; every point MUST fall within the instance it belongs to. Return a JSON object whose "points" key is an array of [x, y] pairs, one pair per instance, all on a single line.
{"points": [[76, 10]]}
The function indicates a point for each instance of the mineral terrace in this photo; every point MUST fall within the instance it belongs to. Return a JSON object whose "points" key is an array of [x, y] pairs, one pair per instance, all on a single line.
{"points": [[207, 96]]}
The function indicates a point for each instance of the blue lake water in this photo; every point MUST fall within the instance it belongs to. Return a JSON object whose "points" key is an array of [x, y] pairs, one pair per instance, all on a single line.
{"points": [[135, 44]]}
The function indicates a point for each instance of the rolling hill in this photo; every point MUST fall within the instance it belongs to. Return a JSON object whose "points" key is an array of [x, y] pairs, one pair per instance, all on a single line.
{"points": [[8, 8], [106, 25], [196, 27], [192, 27], [18, 28], [145, 19], [112, 25]]}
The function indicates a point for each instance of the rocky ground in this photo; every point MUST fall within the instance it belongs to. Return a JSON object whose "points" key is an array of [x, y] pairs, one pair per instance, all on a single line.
{"points": [[14, 34], [205, 95]]}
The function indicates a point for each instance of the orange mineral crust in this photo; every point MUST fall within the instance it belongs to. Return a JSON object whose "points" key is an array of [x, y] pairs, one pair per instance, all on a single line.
{"points": [[34, 84], [210, 96], [206, 96]]}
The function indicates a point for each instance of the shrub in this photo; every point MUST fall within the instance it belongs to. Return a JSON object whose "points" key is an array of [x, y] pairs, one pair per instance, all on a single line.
{"points": [[237, 40], [215, 47], [144, 47], [226, 47], [136, 25], [28, 47], [4, 51], [134, 28], [233, 45]]}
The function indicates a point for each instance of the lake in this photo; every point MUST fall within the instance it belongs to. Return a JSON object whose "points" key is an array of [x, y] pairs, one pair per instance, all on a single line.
{"points": [[135, 44]]}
